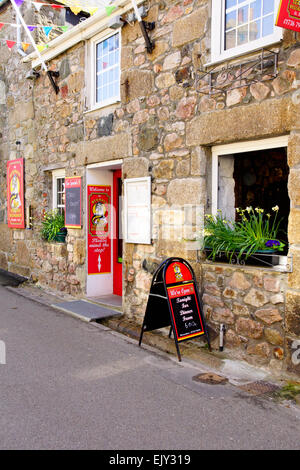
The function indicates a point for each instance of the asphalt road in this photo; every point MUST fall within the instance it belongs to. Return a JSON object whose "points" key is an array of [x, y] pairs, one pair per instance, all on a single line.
{"points": [[70, 385]]}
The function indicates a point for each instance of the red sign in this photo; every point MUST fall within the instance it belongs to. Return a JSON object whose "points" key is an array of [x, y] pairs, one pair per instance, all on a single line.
{"points": [[15, 193], [99, 229], [289, 15], [178, 272]]}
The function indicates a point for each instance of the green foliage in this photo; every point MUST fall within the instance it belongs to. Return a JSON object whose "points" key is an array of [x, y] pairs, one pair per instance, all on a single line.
{"points": [[255, 231], [289, 391], [52, 222]]}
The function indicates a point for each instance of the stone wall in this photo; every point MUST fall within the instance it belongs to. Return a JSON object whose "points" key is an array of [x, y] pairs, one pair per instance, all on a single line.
{"points": [[164, 126], [251, 303]]}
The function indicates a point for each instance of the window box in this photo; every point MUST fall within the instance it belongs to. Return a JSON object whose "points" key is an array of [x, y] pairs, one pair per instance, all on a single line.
{"points": [[266, 258]]}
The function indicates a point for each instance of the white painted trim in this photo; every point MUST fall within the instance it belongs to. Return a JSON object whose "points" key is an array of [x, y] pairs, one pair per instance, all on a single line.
{"points": [[81, 32], [56, 174], [218, 54], [239, 147], [112, 163]]}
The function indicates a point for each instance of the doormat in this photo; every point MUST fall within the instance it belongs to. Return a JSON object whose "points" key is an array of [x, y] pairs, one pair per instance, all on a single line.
{"points": [[85, 310]]}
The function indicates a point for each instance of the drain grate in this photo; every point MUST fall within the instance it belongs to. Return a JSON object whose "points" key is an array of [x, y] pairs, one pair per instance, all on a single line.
{"points": [[259, 388], [210, 378]]}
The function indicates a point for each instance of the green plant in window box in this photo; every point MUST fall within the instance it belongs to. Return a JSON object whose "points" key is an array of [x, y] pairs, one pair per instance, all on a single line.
{"points": [[254, 232], [53, 226]]}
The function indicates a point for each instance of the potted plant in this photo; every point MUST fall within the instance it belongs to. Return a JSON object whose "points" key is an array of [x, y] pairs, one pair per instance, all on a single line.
{"points": [[254, 232], [53, 228]]}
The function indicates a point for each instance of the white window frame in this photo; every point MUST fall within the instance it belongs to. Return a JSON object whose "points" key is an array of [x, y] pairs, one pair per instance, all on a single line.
{"points": [[91, 71], [238, 147], [218, 54], [141, 209], [56, 174]]}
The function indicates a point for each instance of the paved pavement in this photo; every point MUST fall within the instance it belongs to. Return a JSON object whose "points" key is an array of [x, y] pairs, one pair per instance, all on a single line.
{"points": [[68, 384]]}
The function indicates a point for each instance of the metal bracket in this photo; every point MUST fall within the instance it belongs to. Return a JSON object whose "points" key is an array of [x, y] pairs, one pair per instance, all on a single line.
{"points": [[145, 26], [52, 74], [238, 76]]}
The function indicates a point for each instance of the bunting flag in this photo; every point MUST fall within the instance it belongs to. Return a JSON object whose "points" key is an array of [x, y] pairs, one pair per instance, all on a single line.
{"points": [[109, 10], [75, 10], [25, 46], [47, 30], [31, 28], [1, 25], [10, 44], [19, 2]]}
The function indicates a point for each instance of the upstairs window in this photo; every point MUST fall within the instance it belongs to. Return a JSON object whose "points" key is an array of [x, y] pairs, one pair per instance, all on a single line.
{"points": [[104, 71], [240, 26]]}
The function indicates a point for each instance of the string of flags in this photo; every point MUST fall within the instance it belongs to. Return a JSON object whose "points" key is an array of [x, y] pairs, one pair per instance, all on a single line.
{"points": [[74, 6], [10, 44], [47, 29]]}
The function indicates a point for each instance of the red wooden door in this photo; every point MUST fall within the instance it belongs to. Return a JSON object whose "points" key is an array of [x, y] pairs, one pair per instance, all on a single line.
{"points": [[118, 241]]}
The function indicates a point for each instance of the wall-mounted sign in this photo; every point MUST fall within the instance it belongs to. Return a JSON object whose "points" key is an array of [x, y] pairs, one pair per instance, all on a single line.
{"points": [[15, 193], [174, 301], [73, 202], [137, 194], [289, 15], [99, 229]]}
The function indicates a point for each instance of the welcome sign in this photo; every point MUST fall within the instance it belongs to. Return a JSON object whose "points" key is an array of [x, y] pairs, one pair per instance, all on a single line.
{"points": [[289, 15]]}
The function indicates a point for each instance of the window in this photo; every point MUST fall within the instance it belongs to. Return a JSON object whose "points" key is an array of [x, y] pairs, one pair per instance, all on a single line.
{"points": [[251, 174], [240, 26], [104, 71], [58, 185]]}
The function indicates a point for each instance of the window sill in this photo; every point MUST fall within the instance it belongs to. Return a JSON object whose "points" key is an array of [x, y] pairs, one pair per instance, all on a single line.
{"points": [[102, 105]]}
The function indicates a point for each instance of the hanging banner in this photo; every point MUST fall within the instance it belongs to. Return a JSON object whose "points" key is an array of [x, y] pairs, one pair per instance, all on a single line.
{"points": [[289, 15], [99, 229], [15, 193]]}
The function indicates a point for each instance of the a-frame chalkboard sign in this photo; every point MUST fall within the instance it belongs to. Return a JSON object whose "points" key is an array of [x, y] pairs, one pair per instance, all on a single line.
{"points": [[174, 301]]}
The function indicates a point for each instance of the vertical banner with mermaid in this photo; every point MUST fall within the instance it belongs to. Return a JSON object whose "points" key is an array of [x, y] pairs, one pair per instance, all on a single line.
{"points": [[99, 229], [15, 193]]}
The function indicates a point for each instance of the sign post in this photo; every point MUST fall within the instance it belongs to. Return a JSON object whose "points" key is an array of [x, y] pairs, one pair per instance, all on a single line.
{"points": [[174, 301]]}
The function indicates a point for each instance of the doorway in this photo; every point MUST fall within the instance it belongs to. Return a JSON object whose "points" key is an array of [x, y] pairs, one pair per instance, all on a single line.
{"points": [[104, 231]]}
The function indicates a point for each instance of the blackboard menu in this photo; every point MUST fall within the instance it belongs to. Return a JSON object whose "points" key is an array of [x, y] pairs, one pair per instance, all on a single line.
{"points": [[73, 202], [185, 311]]}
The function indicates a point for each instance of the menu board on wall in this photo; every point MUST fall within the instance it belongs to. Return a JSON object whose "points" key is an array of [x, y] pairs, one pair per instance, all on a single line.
{"points": [[289, 15], [99, 229], [137, 192], [73, 202], [15, 193]]}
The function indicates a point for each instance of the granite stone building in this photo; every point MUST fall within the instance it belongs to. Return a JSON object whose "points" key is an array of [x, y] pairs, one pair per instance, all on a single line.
{"points": [[200, 115]]}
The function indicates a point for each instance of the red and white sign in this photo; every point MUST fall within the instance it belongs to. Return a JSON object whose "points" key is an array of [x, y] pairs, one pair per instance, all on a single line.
{"points": [[289, 15], [178, 272], [15, 193], [99, 229]]}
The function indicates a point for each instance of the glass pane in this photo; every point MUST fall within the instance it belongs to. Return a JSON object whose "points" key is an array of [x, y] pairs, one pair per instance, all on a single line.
{"points": [[254, 30], [230, 40], [242, 35], [268, 25], [243, 15], [230, 21], [255, 10], [230, 3], [268, 7]]}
